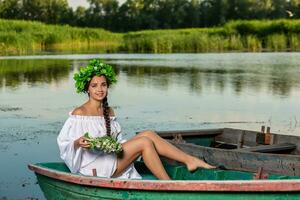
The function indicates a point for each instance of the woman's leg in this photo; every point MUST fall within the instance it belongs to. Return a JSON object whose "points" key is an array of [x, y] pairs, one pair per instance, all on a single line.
{"points": [[168, 150], [145, 147]]}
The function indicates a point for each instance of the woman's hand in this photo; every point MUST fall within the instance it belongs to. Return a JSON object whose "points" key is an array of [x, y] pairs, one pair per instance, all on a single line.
{"points": [[82, 142]]}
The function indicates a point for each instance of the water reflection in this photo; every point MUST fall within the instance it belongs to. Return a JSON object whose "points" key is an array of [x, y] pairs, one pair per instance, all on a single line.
{"points": [[278, 77], [279, 81], [14, 73]]}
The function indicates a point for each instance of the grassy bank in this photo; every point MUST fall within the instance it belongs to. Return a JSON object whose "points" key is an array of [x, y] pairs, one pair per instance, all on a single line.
{"points": [[23, 37], [253, 36]]}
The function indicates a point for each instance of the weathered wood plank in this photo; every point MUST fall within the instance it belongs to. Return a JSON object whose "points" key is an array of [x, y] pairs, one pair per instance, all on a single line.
{"points": [[187, 133], [282, 147], [249, 138]]}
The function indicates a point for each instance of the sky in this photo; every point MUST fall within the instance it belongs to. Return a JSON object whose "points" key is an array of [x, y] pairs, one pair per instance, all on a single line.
{"points": [[76, 3]]}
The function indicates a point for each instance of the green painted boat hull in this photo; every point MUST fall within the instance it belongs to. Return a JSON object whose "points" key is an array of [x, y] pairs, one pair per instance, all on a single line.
{"points": [[58, 190]]}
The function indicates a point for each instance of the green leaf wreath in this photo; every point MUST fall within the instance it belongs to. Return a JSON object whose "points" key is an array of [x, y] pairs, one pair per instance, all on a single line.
{"points": [[95, 67]]}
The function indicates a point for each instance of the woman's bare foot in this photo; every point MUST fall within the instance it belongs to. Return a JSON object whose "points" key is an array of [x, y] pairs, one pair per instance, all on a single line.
{"points": [[194, 163]]}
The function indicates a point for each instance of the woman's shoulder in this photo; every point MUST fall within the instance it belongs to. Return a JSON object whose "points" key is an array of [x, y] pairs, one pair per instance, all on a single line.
{"points": [[82, 111], [79, 111]]}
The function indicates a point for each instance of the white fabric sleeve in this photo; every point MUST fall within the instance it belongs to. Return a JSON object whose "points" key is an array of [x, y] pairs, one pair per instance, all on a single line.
{"points": [[68, 153], [116, 128]]}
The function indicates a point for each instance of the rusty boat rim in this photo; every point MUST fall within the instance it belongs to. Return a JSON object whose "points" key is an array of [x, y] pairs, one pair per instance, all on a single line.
{"points": [[171, 185]]}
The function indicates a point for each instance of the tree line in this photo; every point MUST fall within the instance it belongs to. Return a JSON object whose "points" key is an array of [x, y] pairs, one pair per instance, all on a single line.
{"points": [[135, 15]]}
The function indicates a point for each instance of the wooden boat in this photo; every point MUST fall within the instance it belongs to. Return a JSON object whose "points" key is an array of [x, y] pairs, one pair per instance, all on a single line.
{"points": [[58, 183], [241, 149]]}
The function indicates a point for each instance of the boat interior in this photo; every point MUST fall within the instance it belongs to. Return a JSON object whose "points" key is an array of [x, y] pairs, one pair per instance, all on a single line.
{"points": [[237, 140]]}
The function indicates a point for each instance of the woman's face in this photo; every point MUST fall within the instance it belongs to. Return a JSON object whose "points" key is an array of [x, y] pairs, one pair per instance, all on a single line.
{"points": [[98, 88]]}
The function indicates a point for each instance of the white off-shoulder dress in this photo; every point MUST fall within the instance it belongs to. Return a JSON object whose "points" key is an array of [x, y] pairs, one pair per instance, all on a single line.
{"points": [[83, 161]]}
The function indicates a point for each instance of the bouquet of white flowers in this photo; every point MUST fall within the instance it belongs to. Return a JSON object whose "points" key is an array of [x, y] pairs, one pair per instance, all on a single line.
{"points": [[106, 143]]}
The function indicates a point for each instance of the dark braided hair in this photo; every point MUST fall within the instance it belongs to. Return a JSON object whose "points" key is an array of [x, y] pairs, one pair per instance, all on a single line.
{"points": [[106, 116]]}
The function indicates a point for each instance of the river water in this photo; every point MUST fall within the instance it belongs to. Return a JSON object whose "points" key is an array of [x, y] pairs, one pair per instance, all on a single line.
{"points": [[154, 91]]}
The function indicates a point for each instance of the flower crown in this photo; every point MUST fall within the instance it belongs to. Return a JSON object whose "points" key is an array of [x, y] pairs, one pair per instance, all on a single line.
{"points": [[94, 68]]}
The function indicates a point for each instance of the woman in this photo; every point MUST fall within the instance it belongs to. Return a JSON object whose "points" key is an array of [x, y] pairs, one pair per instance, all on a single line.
{"points": [[97, 118]]}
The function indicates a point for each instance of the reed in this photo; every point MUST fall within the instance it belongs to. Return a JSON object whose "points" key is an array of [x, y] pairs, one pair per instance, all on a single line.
{"points": [[253, 35], [23, 37], [252, 43], [276, 42], [294, 42], [168, 41]]}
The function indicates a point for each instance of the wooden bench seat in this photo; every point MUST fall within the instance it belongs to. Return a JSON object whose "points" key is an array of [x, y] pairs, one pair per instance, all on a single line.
{"points": [[273, 148]]}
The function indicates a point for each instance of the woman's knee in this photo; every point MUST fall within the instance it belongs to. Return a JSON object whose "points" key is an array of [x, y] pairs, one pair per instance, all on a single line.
{"points": [[146, 142], [137, 144], [147, 133]]}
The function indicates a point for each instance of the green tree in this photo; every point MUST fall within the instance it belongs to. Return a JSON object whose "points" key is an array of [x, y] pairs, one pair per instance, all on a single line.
{"points": [[49, 11], [279, 9], [213, 12], [10, 9], [193, 18], [110, 8], [80, 16], [129, 15], [101, 13]]}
